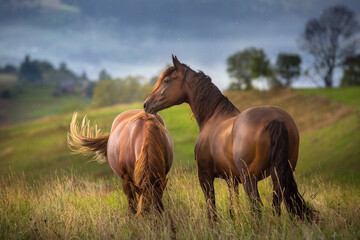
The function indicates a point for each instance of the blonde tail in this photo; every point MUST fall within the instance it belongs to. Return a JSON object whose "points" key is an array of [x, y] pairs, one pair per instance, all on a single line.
{"points": [[86, 139]]}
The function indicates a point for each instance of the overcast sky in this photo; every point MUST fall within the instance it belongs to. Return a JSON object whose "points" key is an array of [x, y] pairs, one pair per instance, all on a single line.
{"points": [[138, 37]]}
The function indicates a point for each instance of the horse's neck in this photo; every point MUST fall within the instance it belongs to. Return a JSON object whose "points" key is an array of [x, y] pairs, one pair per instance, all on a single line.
{"points": [[209, 102]]}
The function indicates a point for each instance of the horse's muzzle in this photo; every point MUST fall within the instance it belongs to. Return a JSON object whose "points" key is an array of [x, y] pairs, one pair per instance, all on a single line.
{"points": [[149, 108]]}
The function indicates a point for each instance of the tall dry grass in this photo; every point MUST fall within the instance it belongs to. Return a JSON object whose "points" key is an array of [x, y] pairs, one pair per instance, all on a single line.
{"points": [[75, 207]]}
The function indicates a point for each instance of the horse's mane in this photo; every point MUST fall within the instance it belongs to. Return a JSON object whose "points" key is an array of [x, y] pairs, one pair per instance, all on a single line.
{"points": [[150, 165], [207, 97]]}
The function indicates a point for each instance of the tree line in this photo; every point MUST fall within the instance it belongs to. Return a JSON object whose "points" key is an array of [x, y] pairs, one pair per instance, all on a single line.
{"points": [[332, 40], [104, 91], [40, 71], [120, 90]]}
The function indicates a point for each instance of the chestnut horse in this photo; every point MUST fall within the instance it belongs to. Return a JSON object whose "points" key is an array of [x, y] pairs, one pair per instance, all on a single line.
{"points": [[240, 147], [139, 150]]}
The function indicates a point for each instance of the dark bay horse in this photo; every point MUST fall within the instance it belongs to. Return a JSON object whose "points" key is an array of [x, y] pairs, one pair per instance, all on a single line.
{"points": [[139, 149], [240, 147]]}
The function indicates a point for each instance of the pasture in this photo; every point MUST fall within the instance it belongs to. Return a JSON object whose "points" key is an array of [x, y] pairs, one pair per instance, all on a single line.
{"points": [[48, 193], [32, 102]]}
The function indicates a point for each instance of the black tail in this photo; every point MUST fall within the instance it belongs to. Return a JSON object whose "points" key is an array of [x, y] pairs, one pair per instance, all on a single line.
{"points": [[279, 157]]}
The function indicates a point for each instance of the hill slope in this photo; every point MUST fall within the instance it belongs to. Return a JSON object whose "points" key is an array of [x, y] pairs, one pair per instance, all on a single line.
{"points": [[35, 101], [39, 147], [62, 200]]}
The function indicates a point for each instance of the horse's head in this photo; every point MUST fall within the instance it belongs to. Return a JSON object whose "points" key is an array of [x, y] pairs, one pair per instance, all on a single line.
{"points": [[169, 90], [151, 197]]}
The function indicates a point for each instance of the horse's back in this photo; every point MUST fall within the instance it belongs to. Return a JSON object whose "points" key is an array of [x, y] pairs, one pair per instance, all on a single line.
{"points": [[251, 141], [126, 140], [127, 115]]}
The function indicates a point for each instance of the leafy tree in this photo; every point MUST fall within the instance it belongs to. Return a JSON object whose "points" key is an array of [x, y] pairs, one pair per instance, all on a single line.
{"points": [[330, 39], [104, 75], [259, 64], [29, 71], [288, 67], [63, 67], [351, 74], [105, 93], [89, 90], [272, 78], [113, 91], [66, 72], [36, 70], [145, 90], [43, 66], [130, 89], [246, 65], [8, 68], [52, 75]]}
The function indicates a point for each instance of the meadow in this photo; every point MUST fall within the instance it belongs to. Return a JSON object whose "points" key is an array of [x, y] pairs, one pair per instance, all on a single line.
{"points": [[48, 193], [32, 102]]}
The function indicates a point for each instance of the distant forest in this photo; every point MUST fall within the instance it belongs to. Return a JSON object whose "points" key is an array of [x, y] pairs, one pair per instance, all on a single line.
{"points": [[62, 81], [331, 39]]}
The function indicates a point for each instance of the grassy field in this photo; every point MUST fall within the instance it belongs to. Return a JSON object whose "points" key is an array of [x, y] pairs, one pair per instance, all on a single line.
{"points": [[32, 102], [345, 95], [342, 139], [7, 79], [48, 193], [74, 207], [39, 147]]}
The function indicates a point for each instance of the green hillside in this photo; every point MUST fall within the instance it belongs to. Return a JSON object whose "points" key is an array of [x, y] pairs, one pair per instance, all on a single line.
{"points": [[32, 102], [328, 143], [335, 149], [346, 95], [64, 196]]}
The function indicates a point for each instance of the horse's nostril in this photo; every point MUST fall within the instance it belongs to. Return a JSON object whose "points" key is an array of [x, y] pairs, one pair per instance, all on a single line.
{"points": [[145, 104]]}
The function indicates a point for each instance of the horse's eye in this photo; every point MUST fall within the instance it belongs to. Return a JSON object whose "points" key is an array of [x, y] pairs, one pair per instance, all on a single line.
{"points": [[167, 80]]}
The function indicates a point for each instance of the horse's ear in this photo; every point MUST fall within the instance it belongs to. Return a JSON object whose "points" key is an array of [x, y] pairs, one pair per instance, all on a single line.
{"points": [[177, 64]]}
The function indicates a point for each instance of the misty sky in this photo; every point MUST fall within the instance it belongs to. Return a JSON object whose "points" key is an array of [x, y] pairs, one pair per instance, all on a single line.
{"points": [[138, 37]]}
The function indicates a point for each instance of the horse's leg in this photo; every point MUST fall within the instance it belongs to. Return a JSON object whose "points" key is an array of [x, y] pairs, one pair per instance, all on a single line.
{"points": [[251, 189], [130, 194], [207, 185], [233, 186], [277, 194]]}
